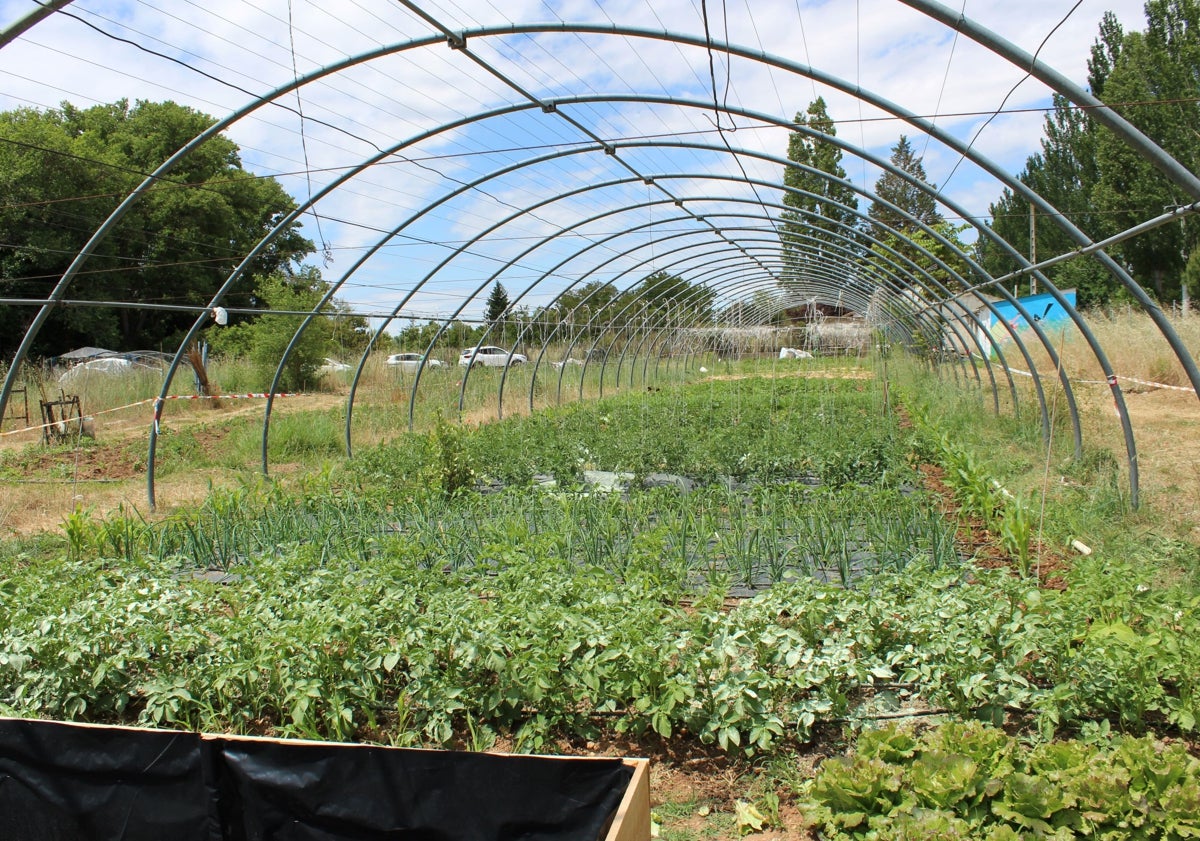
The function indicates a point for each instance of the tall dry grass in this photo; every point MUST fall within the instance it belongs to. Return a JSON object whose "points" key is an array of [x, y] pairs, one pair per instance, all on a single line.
{"points": [[1133, 343]]}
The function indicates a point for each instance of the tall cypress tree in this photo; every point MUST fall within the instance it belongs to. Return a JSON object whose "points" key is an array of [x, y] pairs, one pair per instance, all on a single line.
{"points": [[816, 215], [902, 232]]}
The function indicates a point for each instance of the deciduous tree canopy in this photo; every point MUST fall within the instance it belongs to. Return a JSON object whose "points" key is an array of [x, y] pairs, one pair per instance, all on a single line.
{"points": [[63, 171]]}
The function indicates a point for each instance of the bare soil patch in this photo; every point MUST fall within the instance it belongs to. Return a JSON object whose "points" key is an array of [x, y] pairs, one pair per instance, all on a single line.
{"points": [[695, 788]]}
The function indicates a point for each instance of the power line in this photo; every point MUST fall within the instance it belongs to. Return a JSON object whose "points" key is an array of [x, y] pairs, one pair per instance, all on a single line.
{"points": [[328, 257], [945, 76], [168, 182], [1028, 74]]}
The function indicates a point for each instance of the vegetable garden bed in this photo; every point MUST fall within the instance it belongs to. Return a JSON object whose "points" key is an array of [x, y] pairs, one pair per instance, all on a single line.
{"points": [[391, 600]]}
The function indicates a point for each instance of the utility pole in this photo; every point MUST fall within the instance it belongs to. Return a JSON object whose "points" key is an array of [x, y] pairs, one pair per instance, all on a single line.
{"points": [[1185, 299], [1032, 247]]}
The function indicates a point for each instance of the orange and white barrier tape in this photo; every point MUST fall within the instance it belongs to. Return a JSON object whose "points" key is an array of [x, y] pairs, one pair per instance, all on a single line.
{"points": [[247, 396], [1110, 382]]}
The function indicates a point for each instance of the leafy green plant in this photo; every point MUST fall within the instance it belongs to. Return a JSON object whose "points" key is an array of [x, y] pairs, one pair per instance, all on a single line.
{"points": [[80, 532], [972, 780], [971, 482], [365, 602], [456, 473], [1016, 533]]}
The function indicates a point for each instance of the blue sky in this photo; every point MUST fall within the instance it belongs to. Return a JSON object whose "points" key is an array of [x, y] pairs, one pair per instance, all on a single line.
{"points": [[234, 50]]}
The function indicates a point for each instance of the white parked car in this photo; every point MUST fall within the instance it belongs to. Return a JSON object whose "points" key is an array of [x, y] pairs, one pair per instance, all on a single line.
{"points": [[412, 361], [332, 366], [490, 356]]}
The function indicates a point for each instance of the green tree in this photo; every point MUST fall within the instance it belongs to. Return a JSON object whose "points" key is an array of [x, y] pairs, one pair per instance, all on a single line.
{"points": [[1065, 173], [1158, 74], [903, 193], [1106, 51], [350, 334], [817, 215], [902, 231], [662, 297], [497, 305], [264, 338], [575, 308], [416, 337], [63, 171], [947, 251], [1153, 79]]}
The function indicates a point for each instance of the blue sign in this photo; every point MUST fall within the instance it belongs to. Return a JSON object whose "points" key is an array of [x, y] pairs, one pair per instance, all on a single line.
{"points": [[1044, 309]]}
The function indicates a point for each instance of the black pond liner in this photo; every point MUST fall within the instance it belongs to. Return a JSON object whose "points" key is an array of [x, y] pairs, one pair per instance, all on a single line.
{"points": [[73, 782]]}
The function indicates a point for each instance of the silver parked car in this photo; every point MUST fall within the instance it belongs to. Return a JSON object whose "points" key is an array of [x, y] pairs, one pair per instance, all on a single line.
{"points": [[490, 356], [412, 361]]}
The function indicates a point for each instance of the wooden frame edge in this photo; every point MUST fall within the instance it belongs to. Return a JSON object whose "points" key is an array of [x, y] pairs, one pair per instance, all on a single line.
{"points": [[632, 821]]}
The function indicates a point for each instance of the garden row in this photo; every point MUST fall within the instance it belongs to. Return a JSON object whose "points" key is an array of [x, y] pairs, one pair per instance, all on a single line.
{"points": [[536, 647], [969, 780], [394, 599]]}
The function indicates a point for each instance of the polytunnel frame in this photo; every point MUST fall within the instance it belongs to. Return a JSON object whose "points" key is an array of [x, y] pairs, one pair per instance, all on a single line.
{"points": [[983, 229], [582, 150], [647, 181], [822, 284], [716, 272], [711, 267], [482, 235], [1142, 145], [933, 233], [817, 287], [325, 191], [724, 214], [520, 256], [1084, 329]]}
